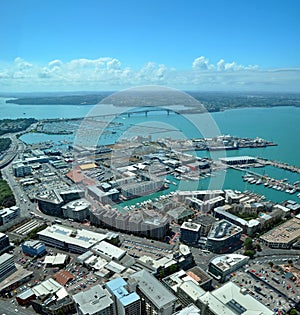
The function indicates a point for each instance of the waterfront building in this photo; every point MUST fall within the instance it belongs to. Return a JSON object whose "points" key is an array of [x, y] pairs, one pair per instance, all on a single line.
{"points": [[7, 215], [95, 301], [221, 267], [155, 298], [237, 160], [77, 210], [33, 248], [104, 197], [4, 243], [223, 237], [126, 303], [230, 300], [142, 188], [190, 232], [7, 265]]}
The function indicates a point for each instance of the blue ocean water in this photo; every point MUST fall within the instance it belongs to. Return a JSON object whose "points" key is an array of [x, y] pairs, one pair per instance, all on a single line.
{"points": [[280, 125]]}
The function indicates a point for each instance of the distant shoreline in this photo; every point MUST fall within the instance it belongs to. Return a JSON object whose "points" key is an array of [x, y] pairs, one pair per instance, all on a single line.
{"points": [[202, 101]]}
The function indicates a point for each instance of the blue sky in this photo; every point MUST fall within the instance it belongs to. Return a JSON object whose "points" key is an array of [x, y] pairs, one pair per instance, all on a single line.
{"points": [[191, 44]]}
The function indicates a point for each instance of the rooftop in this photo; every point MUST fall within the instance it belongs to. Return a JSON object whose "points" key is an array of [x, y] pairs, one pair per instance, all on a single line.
{"points": [[117, 287], [93, 300], [153, 289], [287, 232]]}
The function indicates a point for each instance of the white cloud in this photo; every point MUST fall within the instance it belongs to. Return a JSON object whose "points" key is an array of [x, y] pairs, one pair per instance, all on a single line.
{"points": [[108, 73], [202, 63]]}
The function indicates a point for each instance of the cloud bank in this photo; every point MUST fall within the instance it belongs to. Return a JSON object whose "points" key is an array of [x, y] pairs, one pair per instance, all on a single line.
{"points": [[108, 73]]}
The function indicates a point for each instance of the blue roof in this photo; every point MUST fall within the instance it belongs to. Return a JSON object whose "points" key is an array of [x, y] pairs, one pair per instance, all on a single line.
{"points": [[117, 287]]}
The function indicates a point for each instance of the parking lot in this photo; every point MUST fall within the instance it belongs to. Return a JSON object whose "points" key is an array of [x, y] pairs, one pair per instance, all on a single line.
{"points": [[268, 285]]}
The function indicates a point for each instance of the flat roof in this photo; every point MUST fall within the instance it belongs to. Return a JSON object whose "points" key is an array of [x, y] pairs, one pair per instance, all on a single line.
{"points": [[159, 295], [93, 300], [191, 226], [5, 257], [109, 250], [82, 238], [117, 286], [226, 262], [231, 296], [287, 232]]}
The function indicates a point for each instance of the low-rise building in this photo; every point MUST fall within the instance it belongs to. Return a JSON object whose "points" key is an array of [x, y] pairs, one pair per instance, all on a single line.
{"points": [[284, 235], [95, 301], [33, 248], [221, 267], [7, 215], [231, 300]]}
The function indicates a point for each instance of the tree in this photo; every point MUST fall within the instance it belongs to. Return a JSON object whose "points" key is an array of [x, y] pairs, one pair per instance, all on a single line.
{"points": [[248, 243], [250, 253]]}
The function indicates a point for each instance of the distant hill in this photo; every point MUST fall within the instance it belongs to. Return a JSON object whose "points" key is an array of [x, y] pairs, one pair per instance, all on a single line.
{"points": [[210, 101]]}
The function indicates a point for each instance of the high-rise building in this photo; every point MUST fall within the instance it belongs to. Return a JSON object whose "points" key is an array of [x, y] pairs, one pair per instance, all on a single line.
{"points": [[155, 298], [7, 266], [190, 232], [126, 303], [4, 243]]}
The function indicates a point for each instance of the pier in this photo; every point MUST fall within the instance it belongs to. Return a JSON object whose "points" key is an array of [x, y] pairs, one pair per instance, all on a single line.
{"points": [[282, 165]]}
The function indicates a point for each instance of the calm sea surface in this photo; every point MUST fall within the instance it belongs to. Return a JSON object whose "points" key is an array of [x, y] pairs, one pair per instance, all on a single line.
{"points": [[280, 125]]}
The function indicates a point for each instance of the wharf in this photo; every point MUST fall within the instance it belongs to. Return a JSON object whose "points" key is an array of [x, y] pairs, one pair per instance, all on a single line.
{"points": [[282, 165]]}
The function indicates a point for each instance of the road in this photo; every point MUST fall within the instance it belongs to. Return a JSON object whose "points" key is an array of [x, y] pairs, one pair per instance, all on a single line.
{"points": [[8, 308]]}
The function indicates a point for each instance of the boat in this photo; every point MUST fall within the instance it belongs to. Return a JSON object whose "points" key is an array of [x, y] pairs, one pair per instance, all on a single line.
{"points": [[259, 181]]}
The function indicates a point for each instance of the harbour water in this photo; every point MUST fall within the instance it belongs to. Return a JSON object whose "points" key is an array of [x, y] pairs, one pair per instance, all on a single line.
{"points": [[280, 125]]}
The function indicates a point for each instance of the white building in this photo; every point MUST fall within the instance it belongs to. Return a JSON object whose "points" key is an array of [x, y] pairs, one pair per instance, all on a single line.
{"points": [[95, 301], [76, 241], [231, 300], [221, 267]]}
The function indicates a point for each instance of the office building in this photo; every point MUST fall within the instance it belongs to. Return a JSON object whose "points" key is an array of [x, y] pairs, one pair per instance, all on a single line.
{"points": [[190, 232], [33, 248], [7, 266], [68, 239], [4, 243], [221, 267], [7, 215], [50, 202], [155, 298], [95, 301], [21, 170], [77, 210], [224, 237], [126, 303]]}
